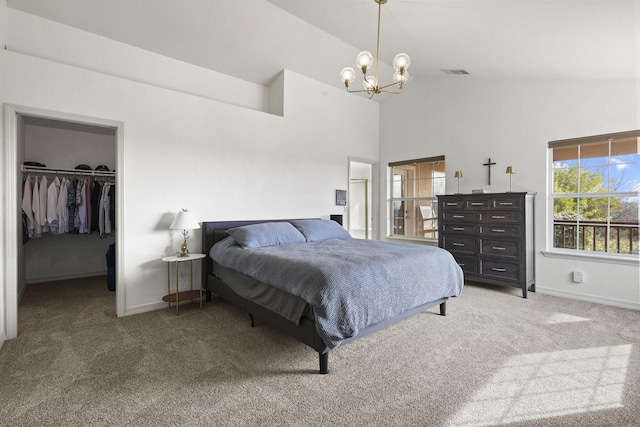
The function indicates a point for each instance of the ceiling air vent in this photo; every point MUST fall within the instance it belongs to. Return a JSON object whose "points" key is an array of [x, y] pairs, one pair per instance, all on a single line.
{"points": [[456, 72]]}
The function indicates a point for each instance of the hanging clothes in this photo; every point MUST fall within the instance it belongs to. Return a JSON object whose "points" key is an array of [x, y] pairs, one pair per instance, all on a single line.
{"points": [[104, 217], [27, 208], [71, 205], [96, 193], [42, 217], [35, 207], [77, 206], [81, 204], [52, 204], [61, 207]]}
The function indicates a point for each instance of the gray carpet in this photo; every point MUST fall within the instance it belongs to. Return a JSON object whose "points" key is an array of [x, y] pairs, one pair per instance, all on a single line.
{"points": [[495, 359]]}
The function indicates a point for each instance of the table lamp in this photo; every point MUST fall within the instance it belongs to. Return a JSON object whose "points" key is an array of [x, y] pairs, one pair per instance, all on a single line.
{"points": [[510, 170], [184, 221], [458, 175]]}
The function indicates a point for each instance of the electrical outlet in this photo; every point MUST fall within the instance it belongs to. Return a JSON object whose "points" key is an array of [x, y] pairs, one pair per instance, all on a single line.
{"points": [[578, 276]]}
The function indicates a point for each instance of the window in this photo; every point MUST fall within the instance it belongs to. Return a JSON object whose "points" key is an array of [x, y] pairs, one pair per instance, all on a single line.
{"points": [[414, 185], [595, 184]]}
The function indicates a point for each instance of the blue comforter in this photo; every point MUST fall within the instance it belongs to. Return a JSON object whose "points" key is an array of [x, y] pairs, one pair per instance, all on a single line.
{"points": [[350, 283]]}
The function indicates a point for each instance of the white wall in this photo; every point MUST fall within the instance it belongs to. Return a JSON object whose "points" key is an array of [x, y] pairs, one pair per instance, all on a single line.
{"points": [[469, 120], [3, 271], [187, 151], [35, 36]]}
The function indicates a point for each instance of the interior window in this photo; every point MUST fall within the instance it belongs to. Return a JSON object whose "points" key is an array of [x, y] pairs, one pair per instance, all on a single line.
{"points": [[414, 185], [595, 184]]}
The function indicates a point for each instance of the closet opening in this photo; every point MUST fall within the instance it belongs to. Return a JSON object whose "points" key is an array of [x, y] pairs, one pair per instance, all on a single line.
{"points": [[67, 199]]}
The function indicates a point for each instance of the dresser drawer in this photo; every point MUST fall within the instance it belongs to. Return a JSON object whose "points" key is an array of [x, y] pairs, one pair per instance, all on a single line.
{"points": [[452, 204], [459, 216], [499, 270], [506, 203], [500, 230], [458, 228], [500, 217], [477, 204], [501, 248], [459, 244], [467, 264]]}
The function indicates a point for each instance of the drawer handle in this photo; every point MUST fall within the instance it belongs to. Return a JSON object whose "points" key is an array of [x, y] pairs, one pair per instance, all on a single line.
{"points": [[498, 230], [498, 248], [461, 264], [477, 204], [499, 270], [458, 244], [505, 204], [458, 228], [458, 216], [498, 216], [451, 204]]}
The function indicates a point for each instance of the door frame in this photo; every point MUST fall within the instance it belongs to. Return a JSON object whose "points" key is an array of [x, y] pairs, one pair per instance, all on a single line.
{"points": [[12, 205], [375, 192]]}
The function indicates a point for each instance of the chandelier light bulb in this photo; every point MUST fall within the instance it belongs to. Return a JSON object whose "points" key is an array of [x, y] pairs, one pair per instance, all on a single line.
{"points": [[364, 60], [369, 83], [401, 61], [348, 75], [400, 77]]}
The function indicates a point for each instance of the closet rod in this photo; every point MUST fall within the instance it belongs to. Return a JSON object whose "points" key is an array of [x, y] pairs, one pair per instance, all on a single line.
{"points": [[59, 171]]}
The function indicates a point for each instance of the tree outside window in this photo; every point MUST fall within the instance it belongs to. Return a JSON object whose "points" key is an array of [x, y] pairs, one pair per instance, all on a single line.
{"points": [[596, 181]]}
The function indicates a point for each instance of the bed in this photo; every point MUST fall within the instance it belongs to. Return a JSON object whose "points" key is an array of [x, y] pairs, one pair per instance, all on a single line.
{"points": [[311, 280]]}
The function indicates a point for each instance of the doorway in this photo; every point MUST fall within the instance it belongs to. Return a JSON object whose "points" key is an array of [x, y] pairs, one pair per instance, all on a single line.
{"points": [[15, 269], [362, 212]]}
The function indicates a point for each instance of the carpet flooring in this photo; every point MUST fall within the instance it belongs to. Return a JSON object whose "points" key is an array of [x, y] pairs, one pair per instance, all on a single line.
{"points": [[496, 359]]}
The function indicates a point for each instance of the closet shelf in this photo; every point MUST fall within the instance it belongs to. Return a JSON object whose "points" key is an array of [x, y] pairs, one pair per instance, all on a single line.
{"points": [[59, 171]]}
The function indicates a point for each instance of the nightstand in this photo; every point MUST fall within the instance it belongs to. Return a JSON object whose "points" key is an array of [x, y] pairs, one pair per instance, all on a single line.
{"points": [[177, 296]]}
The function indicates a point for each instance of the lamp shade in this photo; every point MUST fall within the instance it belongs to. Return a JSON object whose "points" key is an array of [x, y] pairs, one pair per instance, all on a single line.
{"points": [[457, 174], [510, 169], [184, 221]]}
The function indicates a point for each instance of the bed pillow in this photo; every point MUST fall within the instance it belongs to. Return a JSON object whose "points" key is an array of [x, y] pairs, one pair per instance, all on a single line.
{"points": [[266, 234], [315, 230]]}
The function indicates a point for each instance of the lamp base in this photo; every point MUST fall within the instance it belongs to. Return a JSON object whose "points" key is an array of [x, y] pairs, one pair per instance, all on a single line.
{"points": [[183, 248]]}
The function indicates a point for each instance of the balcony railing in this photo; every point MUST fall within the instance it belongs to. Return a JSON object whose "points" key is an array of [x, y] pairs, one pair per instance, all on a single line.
{"points": [[622, 236]]}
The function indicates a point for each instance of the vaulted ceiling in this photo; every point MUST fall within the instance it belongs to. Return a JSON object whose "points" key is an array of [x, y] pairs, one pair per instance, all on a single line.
{"points": [[254, 39]]}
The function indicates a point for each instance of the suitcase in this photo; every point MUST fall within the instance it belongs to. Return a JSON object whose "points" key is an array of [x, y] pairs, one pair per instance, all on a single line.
{"points": [[111, 267]]}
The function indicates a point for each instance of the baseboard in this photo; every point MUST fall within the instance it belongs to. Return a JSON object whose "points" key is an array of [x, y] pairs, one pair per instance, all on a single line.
{"points": [[589, 298], [144, 308], [32, 280]]}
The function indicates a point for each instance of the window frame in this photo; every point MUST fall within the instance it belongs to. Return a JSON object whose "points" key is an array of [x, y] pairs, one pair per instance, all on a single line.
{"points": [[414, 199], [608, 255]]}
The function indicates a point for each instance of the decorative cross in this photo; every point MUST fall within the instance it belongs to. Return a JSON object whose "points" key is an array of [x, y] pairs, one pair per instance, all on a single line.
{"points": [[489, 164]]}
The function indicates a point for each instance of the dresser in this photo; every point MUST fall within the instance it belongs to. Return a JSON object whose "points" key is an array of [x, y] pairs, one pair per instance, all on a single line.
{"points": [[491, 237]]}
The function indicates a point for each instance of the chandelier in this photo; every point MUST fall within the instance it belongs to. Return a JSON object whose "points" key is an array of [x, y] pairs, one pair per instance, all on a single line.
{"points": [[364, 61]]}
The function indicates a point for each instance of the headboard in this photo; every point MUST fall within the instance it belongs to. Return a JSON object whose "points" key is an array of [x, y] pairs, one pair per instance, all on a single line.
{"points": [[214, 231]]}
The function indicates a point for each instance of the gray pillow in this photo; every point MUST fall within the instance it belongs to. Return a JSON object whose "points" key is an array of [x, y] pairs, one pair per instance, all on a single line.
{"points": [[266, 234], [315, 230]]}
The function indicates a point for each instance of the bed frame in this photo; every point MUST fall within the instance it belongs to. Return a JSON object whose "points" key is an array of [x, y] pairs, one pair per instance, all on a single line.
{"points": [[305, 332]]}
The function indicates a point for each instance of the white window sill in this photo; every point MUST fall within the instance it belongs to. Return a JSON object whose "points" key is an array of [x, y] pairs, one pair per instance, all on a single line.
{"points": [[633, 260]]}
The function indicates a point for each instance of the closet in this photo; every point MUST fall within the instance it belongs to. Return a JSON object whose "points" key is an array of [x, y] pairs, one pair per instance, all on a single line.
{"points": [[58, 151]]}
